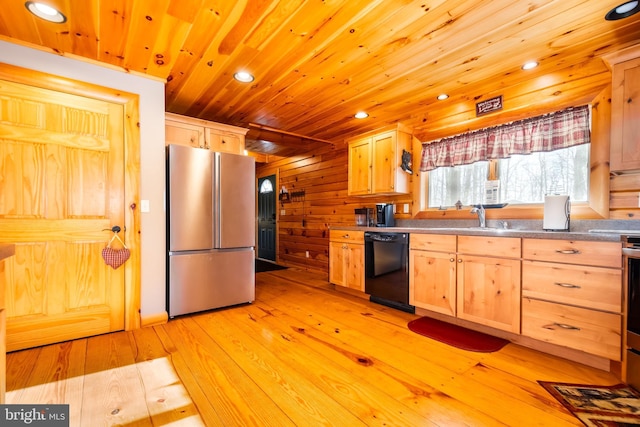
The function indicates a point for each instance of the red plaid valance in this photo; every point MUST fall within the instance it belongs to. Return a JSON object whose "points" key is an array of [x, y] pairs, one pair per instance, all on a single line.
{"points": [[549, 132]]}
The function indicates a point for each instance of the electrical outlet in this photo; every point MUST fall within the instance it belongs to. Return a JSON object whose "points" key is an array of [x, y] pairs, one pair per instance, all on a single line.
{"points": [[406, 208], [283, 212], [307, 254]]}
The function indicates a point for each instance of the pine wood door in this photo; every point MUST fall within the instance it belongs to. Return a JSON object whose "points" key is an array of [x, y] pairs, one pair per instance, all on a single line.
{"points": [[359, 181], [383, 150], [62, 180]]}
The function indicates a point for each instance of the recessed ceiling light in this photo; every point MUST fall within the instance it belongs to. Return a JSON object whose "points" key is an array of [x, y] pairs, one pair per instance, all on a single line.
{"points": [[361, 115], [529, 65], [243, 76], [45, 12], [623, 10], [443, 96]]}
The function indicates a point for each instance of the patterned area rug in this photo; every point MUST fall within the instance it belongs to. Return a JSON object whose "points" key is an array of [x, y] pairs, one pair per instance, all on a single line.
{"points": [[598, 406], [457, 336]]}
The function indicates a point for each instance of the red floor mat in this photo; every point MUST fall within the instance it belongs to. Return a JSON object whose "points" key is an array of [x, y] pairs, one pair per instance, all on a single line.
{"points": [[456, 336]]}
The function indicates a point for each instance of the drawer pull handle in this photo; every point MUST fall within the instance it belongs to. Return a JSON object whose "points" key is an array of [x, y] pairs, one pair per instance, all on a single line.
{"points": [[345, 236], [568, 251], [567, 285], [562, 326]]}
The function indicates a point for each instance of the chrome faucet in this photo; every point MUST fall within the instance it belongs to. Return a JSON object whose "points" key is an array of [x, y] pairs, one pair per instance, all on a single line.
{"points": [[481, 215]]}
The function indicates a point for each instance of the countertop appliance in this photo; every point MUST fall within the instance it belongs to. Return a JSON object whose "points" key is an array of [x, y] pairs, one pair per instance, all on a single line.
{"points": [[384, 215], [631, 264], [211, 229], [386, 265], [557, 210], [364, 217]]}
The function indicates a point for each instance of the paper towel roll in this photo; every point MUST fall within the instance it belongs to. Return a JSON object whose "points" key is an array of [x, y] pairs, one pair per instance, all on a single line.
{"points": [[557, 210]]}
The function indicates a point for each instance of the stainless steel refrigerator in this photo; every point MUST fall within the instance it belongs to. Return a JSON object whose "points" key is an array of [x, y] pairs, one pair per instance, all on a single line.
{"points": [[211, 229]]}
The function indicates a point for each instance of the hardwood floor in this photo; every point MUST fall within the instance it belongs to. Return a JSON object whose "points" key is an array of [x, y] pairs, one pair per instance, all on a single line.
{"points": [[302, 354]]}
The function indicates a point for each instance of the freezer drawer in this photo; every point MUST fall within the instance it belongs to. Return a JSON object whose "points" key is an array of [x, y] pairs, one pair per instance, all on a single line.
{"points": [[208, 280]]}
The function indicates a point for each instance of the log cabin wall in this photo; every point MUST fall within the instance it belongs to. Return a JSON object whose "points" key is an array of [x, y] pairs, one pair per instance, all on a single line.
{"points": [[322, 175]]}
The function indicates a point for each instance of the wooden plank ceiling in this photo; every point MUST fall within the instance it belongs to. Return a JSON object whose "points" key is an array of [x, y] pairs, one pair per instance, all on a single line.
{"points": [[317, 62]]}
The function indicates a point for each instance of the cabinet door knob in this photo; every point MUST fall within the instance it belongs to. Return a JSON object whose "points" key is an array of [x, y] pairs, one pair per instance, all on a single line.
{"points": [[459, 260], [451, 259]]}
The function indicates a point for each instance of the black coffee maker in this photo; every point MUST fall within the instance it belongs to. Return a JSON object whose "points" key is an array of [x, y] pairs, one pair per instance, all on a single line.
{"points": [[384, 215]]}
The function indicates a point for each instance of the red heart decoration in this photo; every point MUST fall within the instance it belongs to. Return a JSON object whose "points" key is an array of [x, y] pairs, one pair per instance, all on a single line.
{"points": [[115, 257]]}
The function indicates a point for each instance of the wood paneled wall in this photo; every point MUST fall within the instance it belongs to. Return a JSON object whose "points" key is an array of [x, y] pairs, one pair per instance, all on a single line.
{"points": [[305, 224]]}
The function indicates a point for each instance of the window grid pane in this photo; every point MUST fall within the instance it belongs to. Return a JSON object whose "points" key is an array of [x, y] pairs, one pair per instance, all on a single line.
{"points": [[464, 183], [528, 178], [524, 179]]}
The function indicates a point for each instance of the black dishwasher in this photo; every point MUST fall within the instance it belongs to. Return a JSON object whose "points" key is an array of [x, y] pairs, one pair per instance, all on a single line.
{"points": [[386, 265]]}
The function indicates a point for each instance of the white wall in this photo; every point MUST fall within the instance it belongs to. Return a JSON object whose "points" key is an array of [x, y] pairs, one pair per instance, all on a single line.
{"points": [[152, 154]]}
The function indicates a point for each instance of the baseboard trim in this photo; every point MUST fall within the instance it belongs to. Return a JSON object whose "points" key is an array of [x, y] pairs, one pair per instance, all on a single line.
{"points": [[154, 319]]}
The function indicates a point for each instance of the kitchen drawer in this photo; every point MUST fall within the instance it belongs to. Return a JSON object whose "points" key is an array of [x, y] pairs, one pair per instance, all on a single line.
{"points": [[433, 242], [590, 287], [603, 254], [593, 332], [506, 247], [346, 236]]}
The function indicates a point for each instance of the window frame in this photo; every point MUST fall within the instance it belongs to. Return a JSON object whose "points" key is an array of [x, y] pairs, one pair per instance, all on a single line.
{"points": [[596, 208]]}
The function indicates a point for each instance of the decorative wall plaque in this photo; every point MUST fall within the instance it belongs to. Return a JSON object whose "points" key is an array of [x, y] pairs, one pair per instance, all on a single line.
{"points": [[489, 106]]}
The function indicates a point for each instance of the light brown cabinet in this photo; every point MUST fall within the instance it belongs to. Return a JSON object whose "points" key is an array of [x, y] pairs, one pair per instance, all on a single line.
{"points": [[359, 182], [346, 259], [454, 276], [204, 134], [572, 294], [432, 282], [375, 163], [625, 111], [488, 289]]}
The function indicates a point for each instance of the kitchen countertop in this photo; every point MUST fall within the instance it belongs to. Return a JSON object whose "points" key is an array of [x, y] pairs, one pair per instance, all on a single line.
{"points": [[594, 235], [7, 250]]}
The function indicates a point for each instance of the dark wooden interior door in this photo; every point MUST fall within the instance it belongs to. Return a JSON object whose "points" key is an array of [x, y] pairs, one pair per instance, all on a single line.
{"points": [[267, 218]]}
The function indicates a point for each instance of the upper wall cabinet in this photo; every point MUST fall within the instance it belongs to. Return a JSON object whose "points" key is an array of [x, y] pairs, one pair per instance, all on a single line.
{"points": [[625, 110], [374, 163], [204, 134]]}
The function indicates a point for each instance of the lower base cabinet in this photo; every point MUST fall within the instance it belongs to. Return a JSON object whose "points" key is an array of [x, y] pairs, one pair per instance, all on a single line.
{"points": [[594, 332], [572, 294], [432, 281], [453, 276], [489, 291], [346, 259]]}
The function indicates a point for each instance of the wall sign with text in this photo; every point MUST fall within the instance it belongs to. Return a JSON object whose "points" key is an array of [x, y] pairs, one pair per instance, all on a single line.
{"points": [[489, 106]]}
